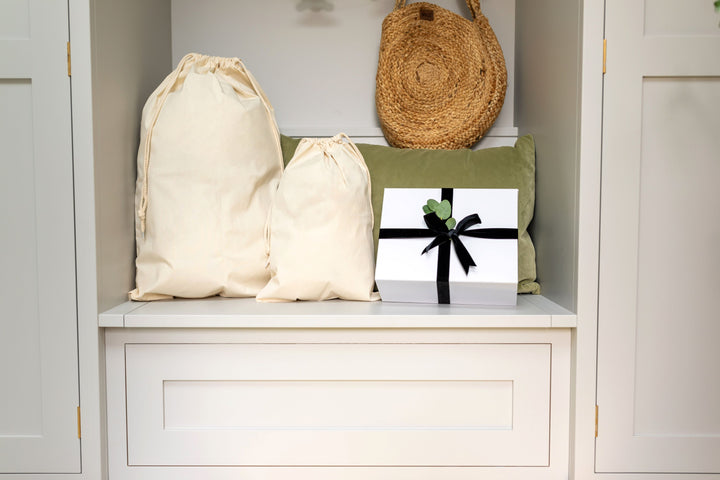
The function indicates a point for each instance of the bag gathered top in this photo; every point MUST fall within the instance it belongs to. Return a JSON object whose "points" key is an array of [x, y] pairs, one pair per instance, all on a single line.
{"points": [[319, 232], [209, 163], [441, 78]]}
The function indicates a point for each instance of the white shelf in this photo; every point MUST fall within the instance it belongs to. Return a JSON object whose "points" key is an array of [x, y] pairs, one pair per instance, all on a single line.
{"points": [[371, 131], [532, 311]]}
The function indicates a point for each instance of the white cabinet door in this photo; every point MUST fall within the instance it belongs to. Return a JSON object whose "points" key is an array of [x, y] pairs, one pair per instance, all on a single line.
{"points": [[659, 323], [38, 328]]}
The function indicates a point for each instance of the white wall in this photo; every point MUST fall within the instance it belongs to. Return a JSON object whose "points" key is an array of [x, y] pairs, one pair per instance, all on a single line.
{"points": [[131, 56], [548, 96], [318, 68]]}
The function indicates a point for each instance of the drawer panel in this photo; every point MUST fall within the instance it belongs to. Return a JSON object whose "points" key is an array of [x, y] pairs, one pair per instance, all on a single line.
{"points": [[338, 404], [323, 404]]}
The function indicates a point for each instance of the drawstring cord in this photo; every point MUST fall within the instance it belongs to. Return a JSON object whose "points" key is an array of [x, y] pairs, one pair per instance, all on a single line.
{"points": [[258, 91], [142, 209], [267, 235], [363, 165], [324, 145]]}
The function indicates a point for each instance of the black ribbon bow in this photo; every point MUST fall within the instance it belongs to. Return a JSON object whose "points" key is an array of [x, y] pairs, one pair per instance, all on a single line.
{"points": [[444, 236]]}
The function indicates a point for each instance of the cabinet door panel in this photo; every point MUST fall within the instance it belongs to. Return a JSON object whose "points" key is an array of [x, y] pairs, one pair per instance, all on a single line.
{"points": [[658, 388], [338, 404], [38, 332]]}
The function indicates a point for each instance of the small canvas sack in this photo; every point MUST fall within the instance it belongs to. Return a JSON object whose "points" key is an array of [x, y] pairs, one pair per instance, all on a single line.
{"points": [[319, 234], [208, 164]]}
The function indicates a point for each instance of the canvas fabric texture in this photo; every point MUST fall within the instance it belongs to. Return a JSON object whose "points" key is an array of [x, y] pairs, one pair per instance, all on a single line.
{"points": [[319, 232], [209, 163], [497, 167]]}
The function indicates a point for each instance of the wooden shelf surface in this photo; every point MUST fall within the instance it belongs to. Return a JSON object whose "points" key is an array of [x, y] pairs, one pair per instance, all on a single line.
{"points": [[531, 311]]}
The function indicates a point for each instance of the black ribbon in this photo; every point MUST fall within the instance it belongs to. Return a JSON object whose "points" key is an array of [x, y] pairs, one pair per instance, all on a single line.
{"points": [[442, 236]]}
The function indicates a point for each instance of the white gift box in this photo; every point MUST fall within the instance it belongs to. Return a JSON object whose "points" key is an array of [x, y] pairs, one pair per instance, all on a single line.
{"points": [[404, 274]]}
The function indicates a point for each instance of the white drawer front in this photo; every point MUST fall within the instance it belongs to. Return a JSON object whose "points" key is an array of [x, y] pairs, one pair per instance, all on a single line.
{"points": [[338, 404]]}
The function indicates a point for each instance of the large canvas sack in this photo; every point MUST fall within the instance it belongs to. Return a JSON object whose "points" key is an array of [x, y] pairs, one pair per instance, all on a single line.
{"points": [[319, 233], [208, 165]]}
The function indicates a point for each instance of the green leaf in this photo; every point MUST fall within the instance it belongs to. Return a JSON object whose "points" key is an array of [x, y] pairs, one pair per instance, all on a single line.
{"points": [[450, 222], [427, 209], [432, 204], [444, 210]]}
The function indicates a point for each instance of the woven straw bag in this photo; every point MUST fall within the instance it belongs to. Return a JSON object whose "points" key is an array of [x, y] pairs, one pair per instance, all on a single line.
{"points": [[441, 78]]}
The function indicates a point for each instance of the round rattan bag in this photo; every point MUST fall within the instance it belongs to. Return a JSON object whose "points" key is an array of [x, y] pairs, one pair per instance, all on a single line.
{"points": [[441, 78]]}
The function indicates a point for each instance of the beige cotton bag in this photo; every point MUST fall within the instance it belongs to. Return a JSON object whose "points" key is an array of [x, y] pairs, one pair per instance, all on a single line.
{"points": [[208, 165], [319, 233]]}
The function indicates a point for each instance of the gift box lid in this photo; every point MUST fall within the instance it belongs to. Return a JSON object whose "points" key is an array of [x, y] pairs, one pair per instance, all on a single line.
{"points": [[405, 273]]}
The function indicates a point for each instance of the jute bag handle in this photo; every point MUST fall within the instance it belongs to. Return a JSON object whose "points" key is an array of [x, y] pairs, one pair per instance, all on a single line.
{"points": [[171, 81], [473, 5]]}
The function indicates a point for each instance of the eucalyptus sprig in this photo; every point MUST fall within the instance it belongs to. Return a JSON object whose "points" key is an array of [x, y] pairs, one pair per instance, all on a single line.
{"points": [[443, 210]]}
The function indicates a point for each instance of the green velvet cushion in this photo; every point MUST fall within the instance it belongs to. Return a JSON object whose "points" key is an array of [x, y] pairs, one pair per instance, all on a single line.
{"points": [[499, 167]]}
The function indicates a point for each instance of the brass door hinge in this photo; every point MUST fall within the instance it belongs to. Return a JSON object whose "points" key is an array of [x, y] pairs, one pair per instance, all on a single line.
{"points": [[69, 60], [596, 420], [604, 55], [78, 418]]}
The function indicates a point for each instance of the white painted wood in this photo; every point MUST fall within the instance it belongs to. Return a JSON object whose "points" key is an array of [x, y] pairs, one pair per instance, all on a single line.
{"points": [[498, 132], [346, 473], [672, 395], [338, 404], [657, 385], [490, 142], [547, 97], [650, 476], [20, 329], [116, 435], [318, 68], [115, 317], [585, 335], [217, 312], [559, 316], [485, 142], [104, 264], [368, 405], [171, 354], [131, 58], [90, 338], [692, 17], [15, 20], [38, 330]]}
